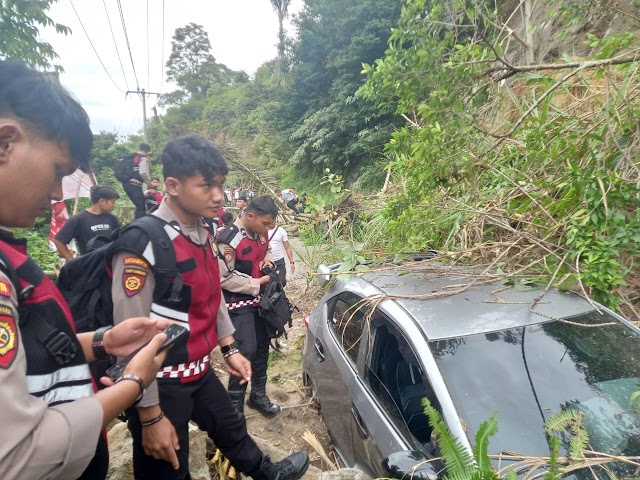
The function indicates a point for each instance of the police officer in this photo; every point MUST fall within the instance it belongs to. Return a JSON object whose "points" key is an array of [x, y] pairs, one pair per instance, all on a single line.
{"points": [[51, 418], [187, 389], [246, 251]]}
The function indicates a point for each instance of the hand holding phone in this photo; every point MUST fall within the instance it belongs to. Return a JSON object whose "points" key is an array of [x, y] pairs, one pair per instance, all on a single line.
{"points": [[173, 332]]}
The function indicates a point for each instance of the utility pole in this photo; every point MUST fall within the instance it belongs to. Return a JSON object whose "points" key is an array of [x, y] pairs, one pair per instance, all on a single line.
{"points": [[143, 94]]}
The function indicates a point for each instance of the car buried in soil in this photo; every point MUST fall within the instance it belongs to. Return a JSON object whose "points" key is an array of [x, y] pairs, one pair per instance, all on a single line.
{"points": [[379, 343]]}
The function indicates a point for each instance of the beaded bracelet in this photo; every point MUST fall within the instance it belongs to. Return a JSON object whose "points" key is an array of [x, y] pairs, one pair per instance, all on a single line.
{"points": [[153, 420], [233, 351]]}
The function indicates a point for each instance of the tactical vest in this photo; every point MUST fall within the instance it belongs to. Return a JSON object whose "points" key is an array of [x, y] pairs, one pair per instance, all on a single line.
{"points": [[249, 254], [57, 371], [194, 305]]}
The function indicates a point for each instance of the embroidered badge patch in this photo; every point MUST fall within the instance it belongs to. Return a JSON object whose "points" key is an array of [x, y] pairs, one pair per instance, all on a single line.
{"points": [[8, 339], [134, 275], [5, 289], [229, 253], [262, 239], [214, 247]]}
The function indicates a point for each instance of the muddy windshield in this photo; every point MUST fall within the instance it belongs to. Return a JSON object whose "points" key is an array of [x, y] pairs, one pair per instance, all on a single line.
{"points": [[528, 374]]}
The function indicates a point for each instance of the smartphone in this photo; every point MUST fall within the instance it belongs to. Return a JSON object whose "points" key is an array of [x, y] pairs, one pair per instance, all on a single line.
{"points": [[173, 331]]}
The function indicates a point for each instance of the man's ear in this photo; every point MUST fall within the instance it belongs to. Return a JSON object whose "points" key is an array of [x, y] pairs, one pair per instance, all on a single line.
{"points": [[10, 133], [172, 185]]}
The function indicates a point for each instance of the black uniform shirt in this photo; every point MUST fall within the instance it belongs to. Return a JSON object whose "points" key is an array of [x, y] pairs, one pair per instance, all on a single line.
{"points": [[84, 225]]}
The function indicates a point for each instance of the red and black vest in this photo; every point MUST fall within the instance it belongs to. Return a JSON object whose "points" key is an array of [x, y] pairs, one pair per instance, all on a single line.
{"points": [[57, 371], [249, 254], [194, 304]]}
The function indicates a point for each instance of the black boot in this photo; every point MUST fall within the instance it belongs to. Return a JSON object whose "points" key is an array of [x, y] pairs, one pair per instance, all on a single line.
{"points": [[237, 400], [291, 468], [258, 398]]}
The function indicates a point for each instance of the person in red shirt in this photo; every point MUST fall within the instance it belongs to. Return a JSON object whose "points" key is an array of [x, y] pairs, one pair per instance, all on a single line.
{"points": [[153, 196]]}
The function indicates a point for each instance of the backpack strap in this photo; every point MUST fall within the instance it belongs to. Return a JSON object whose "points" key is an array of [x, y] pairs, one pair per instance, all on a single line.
{"points": [[165, 267], [59, 344], [274, 232]]}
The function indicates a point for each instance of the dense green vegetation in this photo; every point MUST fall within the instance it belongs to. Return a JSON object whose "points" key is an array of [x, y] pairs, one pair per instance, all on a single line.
{"points": [[507, 132]]}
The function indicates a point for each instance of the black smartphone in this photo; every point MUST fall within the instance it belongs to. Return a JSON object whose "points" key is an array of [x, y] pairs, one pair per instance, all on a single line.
{"points": [[173, 331]]}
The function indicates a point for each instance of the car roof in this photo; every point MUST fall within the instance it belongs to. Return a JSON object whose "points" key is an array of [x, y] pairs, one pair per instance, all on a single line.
{"points": [[487, 306]]}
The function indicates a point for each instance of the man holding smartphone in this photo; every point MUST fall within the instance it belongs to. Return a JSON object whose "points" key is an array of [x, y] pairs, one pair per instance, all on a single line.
{"points": [[194, 173], [51, 416]]}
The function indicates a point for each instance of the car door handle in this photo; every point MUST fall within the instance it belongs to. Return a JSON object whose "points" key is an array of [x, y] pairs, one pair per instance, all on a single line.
{"points": [[362, 430], [319, 350]]}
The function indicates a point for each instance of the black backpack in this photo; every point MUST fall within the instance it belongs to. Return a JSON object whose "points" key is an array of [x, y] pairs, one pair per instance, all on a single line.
{"points": [[85, 281], [123, 169], [275, 308]]}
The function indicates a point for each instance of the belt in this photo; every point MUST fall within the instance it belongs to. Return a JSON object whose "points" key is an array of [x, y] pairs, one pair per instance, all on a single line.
{"points": [[184, 370], [244, 303]]}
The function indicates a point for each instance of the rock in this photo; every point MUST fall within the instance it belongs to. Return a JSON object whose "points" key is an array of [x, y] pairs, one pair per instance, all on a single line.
{"points": [[120, 453], [344, 474]]}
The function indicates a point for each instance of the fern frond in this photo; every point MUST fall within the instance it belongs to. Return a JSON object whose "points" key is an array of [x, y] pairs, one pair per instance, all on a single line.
{"points": [[579, 438], [554, 470], [486, 430], [511, 474], [456, 458], [560, 422]]}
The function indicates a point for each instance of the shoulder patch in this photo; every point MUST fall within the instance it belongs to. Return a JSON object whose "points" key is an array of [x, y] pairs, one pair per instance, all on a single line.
{"points": [[214, 247], [134, 274], [8, 337], [5, 289]]}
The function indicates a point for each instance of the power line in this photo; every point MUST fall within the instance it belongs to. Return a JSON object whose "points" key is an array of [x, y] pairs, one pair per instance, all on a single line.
{"points": [[115, 44], [94, 48], [126, 36]]}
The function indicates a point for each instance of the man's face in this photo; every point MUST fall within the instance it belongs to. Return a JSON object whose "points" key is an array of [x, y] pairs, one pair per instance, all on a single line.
{"points": [[155, 184], [31, 171], [257, 224], [107, 206], [241, 204], [200, 197]]}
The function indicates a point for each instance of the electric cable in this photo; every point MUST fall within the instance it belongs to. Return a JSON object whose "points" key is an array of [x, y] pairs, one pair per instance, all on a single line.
{"points": [[126, 37], [94, 48], [115, 44]]}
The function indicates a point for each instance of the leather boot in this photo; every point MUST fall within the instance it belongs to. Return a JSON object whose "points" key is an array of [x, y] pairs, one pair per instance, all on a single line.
{"points": [[237, 400], [291, 468], [258, 398]]}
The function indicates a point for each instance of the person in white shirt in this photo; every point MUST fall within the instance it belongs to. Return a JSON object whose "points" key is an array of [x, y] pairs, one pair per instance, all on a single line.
{"points": [[279, 242], [289, 197]]}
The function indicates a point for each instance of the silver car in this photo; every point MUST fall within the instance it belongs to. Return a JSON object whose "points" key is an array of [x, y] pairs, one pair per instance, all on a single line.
{"points": [[471, 351]]}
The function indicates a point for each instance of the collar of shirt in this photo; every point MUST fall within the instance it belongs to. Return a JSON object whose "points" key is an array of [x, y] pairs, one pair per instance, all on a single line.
{"points": [[196, 233]]}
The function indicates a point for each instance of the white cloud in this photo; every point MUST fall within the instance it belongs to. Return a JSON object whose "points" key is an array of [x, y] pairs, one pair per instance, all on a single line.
{"points": [[243, 35]]}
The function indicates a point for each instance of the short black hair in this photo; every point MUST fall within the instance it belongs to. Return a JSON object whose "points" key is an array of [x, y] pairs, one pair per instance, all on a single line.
{"points": [[263, 205], [243, 198], [98, 193], [190, 154], [226, 217], [144, 147], [42, 105]]}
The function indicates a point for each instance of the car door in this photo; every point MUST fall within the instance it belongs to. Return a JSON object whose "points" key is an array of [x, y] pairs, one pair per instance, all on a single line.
{"points": [[337, 345], [387, 415]]}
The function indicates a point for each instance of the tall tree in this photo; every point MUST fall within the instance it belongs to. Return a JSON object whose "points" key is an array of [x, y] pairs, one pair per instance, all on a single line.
{"points": [[20, 21], [191, 65], [281, 8]]}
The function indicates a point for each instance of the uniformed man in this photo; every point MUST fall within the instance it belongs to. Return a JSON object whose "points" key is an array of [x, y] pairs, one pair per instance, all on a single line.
{"points": [[51, 418], [246, 254], [187, 389]]}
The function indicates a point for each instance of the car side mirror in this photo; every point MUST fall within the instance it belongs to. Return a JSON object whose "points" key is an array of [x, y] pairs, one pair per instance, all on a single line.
{"points": [[325, 275], [409, 464]]}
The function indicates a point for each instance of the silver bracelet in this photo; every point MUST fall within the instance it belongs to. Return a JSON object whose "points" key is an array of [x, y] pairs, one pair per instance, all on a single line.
{"points": [[233, 351]]}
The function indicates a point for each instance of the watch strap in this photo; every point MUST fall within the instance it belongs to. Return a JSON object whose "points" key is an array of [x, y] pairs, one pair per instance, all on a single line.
{"points": [[97, 343]]}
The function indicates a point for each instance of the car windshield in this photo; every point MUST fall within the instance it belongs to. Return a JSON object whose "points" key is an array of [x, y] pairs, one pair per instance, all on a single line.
{"points": [[590, 363]]}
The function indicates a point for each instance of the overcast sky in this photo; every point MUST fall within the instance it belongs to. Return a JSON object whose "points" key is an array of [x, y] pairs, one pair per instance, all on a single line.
{"points": [[243, 35]]}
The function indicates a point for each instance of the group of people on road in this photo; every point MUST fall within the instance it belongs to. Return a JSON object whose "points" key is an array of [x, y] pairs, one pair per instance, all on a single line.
{"points": [[51, 405]]}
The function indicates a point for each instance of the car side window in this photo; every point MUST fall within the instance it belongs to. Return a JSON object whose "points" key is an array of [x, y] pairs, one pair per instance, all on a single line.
{"points": [[347, 321], [395, 377]]}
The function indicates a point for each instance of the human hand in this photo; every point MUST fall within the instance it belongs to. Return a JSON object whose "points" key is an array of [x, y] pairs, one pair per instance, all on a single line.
{"points": [[239, 366], [264, 279], [293, 267], [265, 263], [145, 363], [160, 441], [125, 337]]}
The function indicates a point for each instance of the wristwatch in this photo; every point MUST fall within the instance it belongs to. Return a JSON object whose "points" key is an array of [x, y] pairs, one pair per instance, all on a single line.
{"points": [[227, 348], [97, 343]]}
